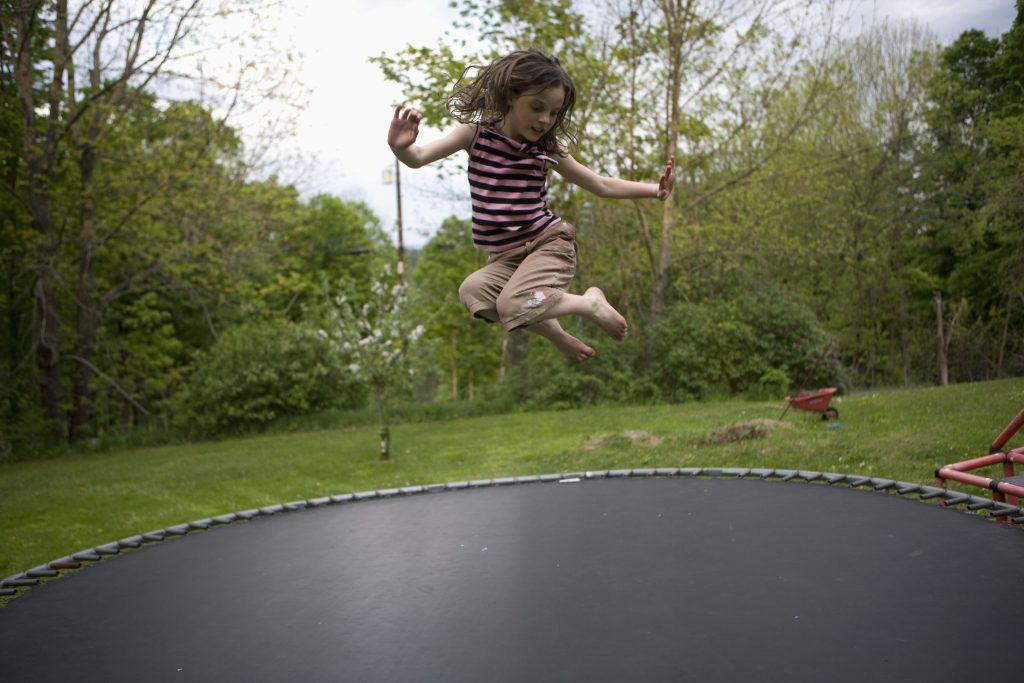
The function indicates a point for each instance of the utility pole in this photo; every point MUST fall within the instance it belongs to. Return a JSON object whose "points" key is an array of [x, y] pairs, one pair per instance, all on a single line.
{"points": [[398, 222]]}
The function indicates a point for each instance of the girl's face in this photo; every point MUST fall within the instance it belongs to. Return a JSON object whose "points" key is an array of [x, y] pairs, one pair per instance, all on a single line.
{"points": [[532, 114]]}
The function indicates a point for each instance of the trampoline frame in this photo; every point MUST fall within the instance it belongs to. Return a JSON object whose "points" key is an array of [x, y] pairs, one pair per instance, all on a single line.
{"points": [[1007, 490], [14, 585]]}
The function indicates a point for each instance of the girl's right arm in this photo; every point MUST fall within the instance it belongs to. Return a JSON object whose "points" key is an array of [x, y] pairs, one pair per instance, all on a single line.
{"points": [[405, 128]]}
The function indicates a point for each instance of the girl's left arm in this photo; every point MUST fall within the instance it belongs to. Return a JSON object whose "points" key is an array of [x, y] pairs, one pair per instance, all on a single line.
{"points": [[616, 188]]}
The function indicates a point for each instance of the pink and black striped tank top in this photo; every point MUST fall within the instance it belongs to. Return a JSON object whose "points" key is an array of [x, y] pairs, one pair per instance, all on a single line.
{"points": [[508, 183]]}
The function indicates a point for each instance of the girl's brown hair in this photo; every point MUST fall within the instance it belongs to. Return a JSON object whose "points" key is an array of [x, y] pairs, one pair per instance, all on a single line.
{"points": [[487, 98]]}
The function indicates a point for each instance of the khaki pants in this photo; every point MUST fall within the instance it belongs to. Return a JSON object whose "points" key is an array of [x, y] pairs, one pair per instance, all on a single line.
{"points": [[518, 285]]}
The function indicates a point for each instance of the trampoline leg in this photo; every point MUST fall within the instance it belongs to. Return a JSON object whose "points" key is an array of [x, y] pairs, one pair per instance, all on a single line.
{"points": [[1000, 497], [1007, 473], [941, 483]]}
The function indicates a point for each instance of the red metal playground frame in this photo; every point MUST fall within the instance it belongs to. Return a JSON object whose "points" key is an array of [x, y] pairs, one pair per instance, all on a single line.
{"points": [[1009, 489]]}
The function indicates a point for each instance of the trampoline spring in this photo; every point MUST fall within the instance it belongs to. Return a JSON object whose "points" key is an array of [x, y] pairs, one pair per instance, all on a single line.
{"points": [[19, 583], [1004, 510], [43, 572], [981, 505], [65, 564], [859, 481], [408, 490], [87, 555]]}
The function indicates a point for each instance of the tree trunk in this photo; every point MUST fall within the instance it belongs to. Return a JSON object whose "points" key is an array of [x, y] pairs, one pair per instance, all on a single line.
{"points": [[45, 295], [1001, 356], [518, 349], [39, 161], [87, 324], [85, 299], [676, 19], [385, 435], [455, 370], [941, 340]]}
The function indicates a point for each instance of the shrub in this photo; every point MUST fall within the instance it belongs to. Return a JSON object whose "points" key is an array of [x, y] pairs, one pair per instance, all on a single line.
{"points": [[260, 371], [755, 341]]}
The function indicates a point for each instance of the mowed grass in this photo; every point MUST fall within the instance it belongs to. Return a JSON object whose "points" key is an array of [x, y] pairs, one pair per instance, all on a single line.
{"points": [[56, 506]]}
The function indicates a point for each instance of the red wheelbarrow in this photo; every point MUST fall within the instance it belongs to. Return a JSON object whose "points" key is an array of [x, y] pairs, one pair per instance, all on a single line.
{"points": [[816, 401]]}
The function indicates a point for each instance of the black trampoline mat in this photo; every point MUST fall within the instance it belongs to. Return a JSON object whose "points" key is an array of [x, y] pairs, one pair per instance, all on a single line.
{"points": [[605, 580]]}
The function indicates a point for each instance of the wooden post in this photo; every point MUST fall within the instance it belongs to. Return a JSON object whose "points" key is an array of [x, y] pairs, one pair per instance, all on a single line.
{"points": [[941, 340], [398, 199]]}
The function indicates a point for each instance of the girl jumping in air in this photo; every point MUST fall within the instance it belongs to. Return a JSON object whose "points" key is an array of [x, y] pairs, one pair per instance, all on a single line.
{"points": [[513, 122]]}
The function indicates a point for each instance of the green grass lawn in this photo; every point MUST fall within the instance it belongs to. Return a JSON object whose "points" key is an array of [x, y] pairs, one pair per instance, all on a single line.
{"points": [[54, 506]]}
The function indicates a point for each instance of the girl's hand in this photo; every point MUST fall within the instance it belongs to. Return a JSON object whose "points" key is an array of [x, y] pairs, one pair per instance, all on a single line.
{"points": [[405, 126], [668, 180]]}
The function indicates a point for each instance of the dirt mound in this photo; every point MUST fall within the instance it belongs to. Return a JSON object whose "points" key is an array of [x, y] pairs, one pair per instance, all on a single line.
{"points": [[750, 429], [627, 438]]}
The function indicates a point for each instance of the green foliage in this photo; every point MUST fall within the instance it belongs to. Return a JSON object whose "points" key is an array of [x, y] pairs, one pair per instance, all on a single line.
{"points": [[752, 340], [333, 241], [261, 371], [458, 354], [549, 382]]}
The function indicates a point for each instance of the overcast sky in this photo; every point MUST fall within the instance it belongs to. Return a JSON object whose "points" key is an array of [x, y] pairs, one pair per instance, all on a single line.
{"points": [[350, 104]]}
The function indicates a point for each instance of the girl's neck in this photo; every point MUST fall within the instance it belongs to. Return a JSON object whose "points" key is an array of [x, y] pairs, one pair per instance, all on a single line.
{"points": [[503, 127]]}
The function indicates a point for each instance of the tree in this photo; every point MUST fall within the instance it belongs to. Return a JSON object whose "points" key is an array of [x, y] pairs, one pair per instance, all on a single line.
{"points": [[376, 333], [469, 349], [971, 183], [80, 70]]}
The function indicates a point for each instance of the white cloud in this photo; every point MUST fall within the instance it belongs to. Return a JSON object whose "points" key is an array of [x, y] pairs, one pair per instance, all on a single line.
{"points": [[947, 18]]}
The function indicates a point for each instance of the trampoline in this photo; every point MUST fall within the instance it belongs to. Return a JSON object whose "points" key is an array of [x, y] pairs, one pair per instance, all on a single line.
{"points": [[669, 574]]}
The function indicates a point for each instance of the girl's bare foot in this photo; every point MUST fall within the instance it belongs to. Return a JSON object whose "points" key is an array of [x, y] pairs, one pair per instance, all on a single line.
{"points": [[607, 318], [568, 345], [572, 348]]}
